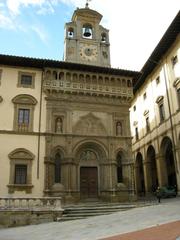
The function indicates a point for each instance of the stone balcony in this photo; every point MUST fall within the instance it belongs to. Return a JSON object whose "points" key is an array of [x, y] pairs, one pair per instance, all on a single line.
{"points": [[87, 89]]}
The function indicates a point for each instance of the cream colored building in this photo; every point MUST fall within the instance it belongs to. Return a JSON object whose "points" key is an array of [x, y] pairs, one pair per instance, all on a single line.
{"points": [[155, 116], [64, 126]]}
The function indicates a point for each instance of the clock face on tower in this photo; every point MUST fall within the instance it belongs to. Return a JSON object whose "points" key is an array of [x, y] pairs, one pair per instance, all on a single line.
{"points": [[88, 52]]}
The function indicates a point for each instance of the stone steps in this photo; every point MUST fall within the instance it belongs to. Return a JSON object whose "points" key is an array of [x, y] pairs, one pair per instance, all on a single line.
{"points": [[92, 209]]}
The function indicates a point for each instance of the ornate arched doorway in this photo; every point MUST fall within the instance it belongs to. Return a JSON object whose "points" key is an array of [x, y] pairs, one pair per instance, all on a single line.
{"points": [[89, 174], [169, 174], [139, 173], [152, 178], [90, 157]]}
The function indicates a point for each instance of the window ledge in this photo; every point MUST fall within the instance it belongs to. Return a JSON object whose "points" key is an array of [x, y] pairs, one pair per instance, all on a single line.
{"points": [[20, 187]]}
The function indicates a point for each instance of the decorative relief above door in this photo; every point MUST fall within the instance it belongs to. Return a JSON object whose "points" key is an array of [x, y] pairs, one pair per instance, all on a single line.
{"points": [[89, 125]]}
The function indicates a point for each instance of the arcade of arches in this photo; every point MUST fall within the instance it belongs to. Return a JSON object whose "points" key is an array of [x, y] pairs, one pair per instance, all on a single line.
{"points": [[155, 169]]}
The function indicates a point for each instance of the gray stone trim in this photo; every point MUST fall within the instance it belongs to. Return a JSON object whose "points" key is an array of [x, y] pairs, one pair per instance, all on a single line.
{"points": [[27, 102], [24, 85], [20, 156]]}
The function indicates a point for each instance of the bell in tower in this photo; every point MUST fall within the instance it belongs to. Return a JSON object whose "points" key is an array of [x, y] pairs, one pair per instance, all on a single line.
{"points": [[86, 40], [87, 32]]}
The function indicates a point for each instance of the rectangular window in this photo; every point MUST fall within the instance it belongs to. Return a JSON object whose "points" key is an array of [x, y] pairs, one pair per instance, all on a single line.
{"points": [[147, 125], [174, 60], [144, 96], [178, 95], [136, 134], [23, 116], [161, 112], [26, 80], [23, 119], [20, 174], [157, 80]]}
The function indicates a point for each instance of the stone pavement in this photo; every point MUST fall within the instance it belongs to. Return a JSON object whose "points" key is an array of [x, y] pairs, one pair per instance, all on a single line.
{"points": [[101, 226], [168, 231]]}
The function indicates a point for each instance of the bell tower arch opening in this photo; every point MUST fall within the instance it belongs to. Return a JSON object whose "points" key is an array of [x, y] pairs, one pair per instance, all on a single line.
{"points": [[87, 31]]}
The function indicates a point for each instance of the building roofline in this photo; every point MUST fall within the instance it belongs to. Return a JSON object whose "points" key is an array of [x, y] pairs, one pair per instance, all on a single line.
{"points": [[10, 60], [162, 47], [86, 10]]}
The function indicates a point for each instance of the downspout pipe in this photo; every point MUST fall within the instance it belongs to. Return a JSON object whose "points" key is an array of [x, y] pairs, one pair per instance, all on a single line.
{"points": [[39, 126]]}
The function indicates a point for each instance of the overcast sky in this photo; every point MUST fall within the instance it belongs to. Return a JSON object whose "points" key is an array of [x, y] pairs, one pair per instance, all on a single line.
{"points": [[35, 28]]}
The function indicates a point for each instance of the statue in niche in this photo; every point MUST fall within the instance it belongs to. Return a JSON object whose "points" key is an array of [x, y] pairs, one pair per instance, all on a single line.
{"points": [[88, 155], [118, 128], [59, 125]]}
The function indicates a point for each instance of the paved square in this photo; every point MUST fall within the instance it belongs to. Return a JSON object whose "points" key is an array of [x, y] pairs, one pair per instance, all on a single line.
{"points": [[101, 226]]}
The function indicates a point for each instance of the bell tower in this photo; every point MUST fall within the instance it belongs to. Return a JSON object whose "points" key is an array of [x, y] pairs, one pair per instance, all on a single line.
{"points": [[86, 41]]}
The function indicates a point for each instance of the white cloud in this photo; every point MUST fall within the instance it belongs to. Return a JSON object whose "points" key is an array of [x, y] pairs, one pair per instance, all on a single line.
{"points": [[14, 5], [41, 34], [6, 22], [46, 10]]}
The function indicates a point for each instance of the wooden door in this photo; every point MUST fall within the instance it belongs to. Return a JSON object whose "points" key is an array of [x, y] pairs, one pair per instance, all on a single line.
{"points": [[88, 182]]}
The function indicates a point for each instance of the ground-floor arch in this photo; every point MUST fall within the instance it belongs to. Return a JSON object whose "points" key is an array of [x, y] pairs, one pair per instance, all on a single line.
{"points": [[168, 163], [139, 175], [151, 170]]}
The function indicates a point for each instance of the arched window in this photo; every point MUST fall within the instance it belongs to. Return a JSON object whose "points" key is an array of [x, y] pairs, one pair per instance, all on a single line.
{"points": [[48, 74], [61, 76], [57, 168], [119, 168], [75, 77], [54, 75], [87, 31], [129, 83], [68, 77], [70, 32], [123, 83], [103, 37]]}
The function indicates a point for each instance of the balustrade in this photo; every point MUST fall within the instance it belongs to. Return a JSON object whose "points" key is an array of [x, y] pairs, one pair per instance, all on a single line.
{"points": [[32, 203], [59, 85]]}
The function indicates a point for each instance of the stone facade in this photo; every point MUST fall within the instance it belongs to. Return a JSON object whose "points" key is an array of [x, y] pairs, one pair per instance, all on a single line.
{"points": [[78, 122], [66, 131], [90, 106]]}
